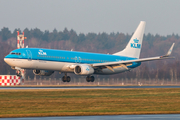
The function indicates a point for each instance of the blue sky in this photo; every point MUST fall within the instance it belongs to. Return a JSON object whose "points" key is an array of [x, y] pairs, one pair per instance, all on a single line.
{"points": [[84, 16]]}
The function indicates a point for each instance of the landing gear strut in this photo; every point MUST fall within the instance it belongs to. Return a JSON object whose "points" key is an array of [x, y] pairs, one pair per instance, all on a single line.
{"points": [[66, 78], [90, 78]]}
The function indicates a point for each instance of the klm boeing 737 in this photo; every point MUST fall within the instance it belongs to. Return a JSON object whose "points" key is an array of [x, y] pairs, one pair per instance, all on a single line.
{"points": [[46, 61]]}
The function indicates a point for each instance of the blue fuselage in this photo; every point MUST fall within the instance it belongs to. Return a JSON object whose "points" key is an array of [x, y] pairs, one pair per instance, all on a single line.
{"points": [[62, 56]]}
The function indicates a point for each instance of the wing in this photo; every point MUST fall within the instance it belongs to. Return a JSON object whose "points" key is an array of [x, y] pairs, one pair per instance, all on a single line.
{"points": [[125, 63]]}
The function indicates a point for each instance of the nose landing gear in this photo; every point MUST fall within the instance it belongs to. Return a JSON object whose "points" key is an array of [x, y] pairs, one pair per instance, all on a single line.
{"points": [[18, 73]]}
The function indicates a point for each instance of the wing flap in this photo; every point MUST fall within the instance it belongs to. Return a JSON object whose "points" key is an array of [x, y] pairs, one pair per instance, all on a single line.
{"points": [[110, 68]]}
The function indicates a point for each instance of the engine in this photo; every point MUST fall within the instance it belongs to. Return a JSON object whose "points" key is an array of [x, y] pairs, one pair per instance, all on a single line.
{"points": [[83, 70], [43, 72]]}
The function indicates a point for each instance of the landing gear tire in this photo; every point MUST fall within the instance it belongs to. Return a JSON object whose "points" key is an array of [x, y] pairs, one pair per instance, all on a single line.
{"points": [[90, 78], [66, 78]]}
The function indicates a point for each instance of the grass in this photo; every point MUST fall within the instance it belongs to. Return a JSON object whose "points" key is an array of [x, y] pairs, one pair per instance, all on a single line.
{"points": [[23, 103]]}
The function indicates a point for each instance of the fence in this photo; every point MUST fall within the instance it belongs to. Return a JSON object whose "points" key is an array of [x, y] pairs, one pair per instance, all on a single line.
{"points": [[102, 81]]}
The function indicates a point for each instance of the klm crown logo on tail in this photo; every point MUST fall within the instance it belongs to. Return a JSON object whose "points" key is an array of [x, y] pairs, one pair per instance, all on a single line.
{"points": [[135, 44]]}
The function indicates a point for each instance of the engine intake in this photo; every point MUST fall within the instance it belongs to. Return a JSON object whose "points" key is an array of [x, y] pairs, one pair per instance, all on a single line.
{"points": [[43, 72], [83, 70]]}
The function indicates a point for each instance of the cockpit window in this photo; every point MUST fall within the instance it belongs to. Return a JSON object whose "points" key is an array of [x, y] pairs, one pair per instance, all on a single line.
{"points": [[15, 53], [12, 53]]}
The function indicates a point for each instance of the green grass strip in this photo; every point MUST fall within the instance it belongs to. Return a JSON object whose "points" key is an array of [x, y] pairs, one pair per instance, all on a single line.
{"points": [[25, 103]]}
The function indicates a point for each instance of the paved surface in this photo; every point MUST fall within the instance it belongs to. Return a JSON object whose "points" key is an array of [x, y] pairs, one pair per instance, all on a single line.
{"points": [[110, 117], [84, 87]]}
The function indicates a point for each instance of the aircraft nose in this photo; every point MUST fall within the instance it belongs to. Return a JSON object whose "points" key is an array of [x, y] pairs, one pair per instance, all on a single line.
{"points": [[8, 61], [5, 60]]}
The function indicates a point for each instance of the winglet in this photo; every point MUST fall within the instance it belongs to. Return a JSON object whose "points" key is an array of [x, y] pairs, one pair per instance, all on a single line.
{"points": [[170, 51]]}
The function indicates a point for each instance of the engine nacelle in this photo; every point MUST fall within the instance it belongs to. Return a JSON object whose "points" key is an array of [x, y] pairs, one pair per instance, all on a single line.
{"points": [[43, 72], [83, 70]]}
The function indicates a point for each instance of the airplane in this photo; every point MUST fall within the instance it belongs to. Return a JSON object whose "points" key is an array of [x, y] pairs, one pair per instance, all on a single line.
{"points": [[45, 61]]}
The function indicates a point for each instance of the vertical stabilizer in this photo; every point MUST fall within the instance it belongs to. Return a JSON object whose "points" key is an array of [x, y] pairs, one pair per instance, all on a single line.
{"points": [[133, 48]]}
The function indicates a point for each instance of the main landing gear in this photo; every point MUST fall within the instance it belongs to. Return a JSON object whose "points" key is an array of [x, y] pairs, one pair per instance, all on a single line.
{"points": [[66, 78], [90, 78]]}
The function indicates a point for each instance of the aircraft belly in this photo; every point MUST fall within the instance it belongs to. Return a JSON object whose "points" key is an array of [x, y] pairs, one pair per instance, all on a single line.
{"points": [[66, 67], [47, 65], [21, 63], [39, 64]]}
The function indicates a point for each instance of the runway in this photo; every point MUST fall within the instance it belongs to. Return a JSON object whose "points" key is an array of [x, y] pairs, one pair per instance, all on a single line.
{"points": [[105, 117], [82, 87]]}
